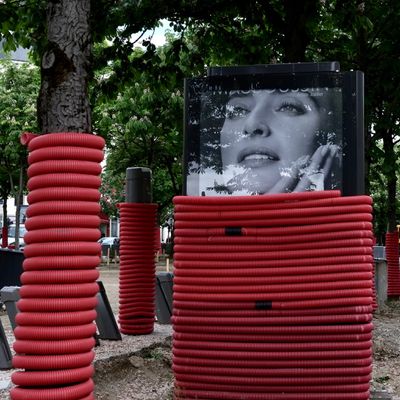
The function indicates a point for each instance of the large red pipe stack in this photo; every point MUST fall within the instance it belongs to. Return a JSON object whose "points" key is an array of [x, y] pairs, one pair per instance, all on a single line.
{"points": [[55, 332], [273, 297]]}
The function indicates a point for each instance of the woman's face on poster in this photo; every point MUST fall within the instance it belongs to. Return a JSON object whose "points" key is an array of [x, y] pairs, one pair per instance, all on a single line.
{"points": [[266, 132]]}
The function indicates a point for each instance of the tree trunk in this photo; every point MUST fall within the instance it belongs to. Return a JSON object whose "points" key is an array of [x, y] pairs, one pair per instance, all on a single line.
{"points": [[63, 104], [18, 203], [296, 35]]}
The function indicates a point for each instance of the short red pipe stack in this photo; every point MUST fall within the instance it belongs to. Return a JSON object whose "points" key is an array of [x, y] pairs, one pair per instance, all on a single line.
{"points": [[55, 332], [273, 297], [392, 258], [137, 268]]}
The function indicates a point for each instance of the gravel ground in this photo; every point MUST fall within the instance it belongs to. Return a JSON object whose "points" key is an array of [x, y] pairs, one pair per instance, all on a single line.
{"points": [[139, 367]]}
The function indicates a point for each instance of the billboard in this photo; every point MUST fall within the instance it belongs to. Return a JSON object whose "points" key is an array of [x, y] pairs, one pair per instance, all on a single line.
{"points": [[274, 129]]}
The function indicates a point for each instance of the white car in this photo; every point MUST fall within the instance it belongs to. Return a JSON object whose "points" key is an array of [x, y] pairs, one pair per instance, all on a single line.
{"points": [[11, 236]]}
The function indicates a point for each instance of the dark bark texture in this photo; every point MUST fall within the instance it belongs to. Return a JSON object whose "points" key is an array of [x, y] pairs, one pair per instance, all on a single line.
{"points": [[63, 104]]}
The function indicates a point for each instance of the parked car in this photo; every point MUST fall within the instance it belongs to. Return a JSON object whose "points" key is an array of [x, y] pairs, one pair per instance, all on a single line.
{"points": [[109, 246], [11, 237]]}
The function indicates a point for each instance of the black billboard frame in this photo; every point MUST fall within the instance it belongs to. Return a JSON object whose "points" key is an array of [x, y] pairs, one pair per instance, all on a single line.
{"points": [[326, 74]]}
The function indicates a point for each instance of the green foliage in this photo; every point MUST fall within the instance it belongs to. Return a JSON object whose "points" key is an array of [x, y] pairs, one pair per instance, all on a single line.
{"points": [[112, 192], [142, 126], [19, 85], [23, 23]]}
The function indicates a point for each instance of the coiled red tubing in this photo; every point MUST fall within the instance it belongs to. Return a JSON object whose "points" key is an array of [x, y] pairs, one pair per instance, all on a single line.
{"points": [[137, 268], [273, 297], [55, 326]]}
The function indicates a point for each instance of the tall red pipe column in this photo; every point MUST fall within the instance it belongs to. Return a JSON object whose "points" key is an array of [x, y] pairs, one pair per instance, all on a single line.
{"points": [[55, 332]]}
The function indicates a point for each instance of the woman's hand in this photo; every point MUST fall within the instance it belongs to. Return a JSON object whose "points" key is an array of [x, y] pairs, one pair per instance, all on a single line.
{"points": [[307, 173]]}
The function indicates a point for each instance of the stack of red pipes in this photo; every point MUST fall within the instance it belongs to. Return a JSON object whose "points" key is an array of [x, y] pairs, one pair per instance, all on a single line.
{"points": [[392, 257], [137, 276], [55, 332], [273, 297]]}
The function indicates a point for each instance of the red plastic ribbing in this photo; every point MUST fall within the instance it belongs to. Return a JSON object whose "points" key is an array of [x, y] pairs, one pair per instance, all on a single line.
{"points": [[392, 257], [271, 312], [137, 268], [271, 363], [54, 361], [269, 214], [66, 207], [254, 200], [213, 337], [286, 305], [301, 394], [281, 232], [254, 247], [56, 377], [48, 167], [70, 392], [69, 304], [265, 280], [52, 347], [299, 240], [273, 329], [244, 380], [54, 336], [63, 193], [83, 276], [274, 372], [56, 318], [272, 255], [340, 354], [233, 263], [313, 287], [264, 391], [60, 179], [267, 222], [260, 270], [55, 332], [65, 153], [59, 234], [323, 294], [73, 262], [274, 347], [248, 205]]}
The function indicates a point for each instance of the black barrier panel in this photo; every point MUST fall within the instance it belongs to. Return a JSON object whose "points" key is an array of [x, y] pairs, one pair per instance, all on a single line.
{"points": [[105, 320], [164, 291], [10, 267]]}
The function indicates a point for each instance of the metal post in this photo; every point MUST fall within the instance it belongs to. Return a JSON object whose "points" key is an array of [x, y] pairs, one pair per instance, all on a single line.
{"points": [[138, 185]]}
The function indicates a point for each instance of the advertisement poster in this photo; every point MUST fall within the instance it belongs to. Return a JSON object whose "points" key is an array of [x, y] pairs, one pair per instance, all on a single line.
{"points": [[270, 133]]}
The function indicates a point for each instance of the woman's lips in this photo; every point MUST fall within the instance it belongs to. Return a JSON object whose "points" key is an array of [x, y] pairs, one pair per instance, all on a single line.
{"points": [[255, 157]]}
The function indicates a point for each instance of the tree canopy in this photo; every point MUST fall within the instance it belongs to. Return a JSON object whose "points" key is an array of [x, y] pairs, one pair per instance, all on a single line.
{"points": [[137, 95]]}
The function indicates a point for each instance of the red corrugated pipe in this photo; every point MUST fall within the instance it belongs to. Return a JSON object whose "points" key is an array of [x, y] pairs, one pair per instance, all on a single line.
{"points": [[137, 268], [54, 336], [392, 257], [256, 287]]}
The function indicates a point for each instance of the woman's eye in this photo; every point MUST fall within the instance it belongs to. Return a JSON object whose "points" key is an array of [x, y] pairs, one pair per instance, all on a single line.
{"points": [[236, 111], [291, 108]]}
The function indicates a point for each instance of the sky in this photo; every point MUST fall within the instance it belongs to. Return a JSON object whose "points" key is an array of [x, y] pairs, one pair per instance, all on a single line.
{"points": [[158, 38]]}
